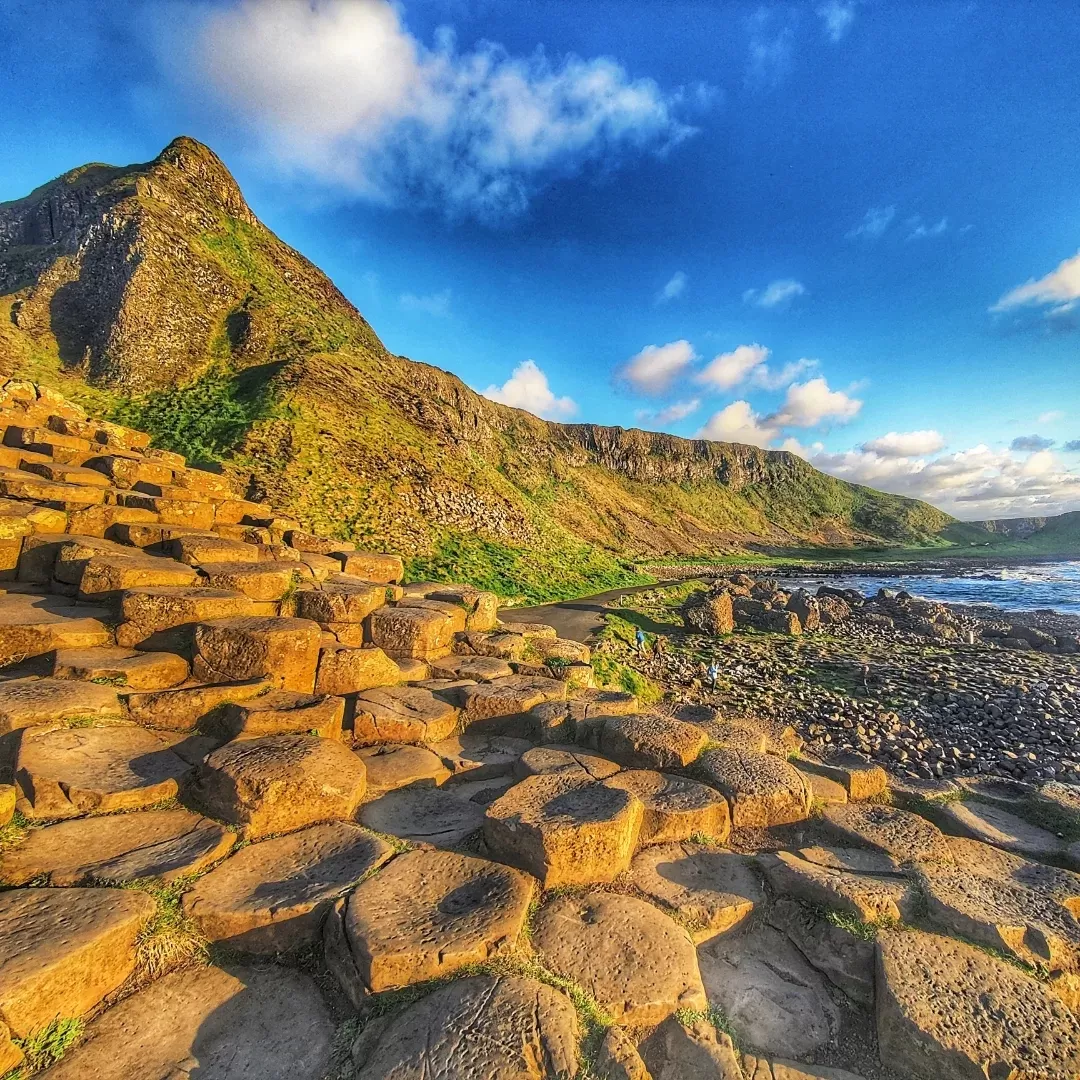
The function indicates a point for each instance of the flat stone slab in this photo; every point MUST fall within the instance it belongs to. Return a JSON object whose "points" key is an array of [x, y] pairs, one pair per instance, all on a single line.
{"points": [[857, 860], [860, 777], [823, 789], [402, 714], [34, 625], [565, 830], [473, 755], [283, 712], [710, 889], [477, 668], [1051, 882], [271, 897], [565, 761], [512, 696], [63, 950], [429, 913], [280, 783], [65, 771], [284, 651], [675, 808], [122, 667], [866, 896], [845, 959], [651, 742], [907, 837], [637, 963], [397, 766], [162, 844], [772, 996], [482, 1028], [690, 1049], [424, 815], [28, 702], [999, 911], [761, 789], [209, 1023], [993, 825], [759, 1068], [948, 1011], [419, 632], [344, 669]]}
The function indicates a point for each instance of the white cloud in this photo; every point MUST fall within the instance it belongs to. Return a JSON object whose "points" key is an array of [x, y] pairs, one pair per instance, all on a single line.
{"points": [[778, 293], [837, 18], [1060, 288], [921, 231], [670, 414], [727, 370], [527, 388], [437, 304], [972, 484], [906, 444], [810, 403], [341, 90], [1030, 444], [673, 288], [739, 423], [656, 367], [1051, 417], [874, 223]]}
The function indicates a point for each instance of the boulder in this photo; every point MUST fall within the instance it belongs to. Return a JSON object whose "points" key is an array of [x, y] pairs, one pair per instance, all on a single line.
{"points": [[806, 607], [761, 789], [63, 950], [346, 670], [710, 612], [481, 1028], [948, 1011], [404, 714], [106, 575], [675, 808], [370, 565], [424, 815], [565, 830], [29, 702], [638, 964], [121, 667], [768, 991], [280, 783], [423, 633], [161, 844], [271, 897], [209, 1023], [710, 889], [510, 697], [34, 625], [430, 913], [283, 712], [65, 771], [651, 742], [282, 650], [390, 767]]}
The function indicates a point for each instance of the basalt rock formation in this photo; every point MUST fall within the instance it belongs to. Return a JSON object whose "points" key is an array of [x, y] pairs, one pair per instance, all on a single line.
{"points": [[153, 293]]}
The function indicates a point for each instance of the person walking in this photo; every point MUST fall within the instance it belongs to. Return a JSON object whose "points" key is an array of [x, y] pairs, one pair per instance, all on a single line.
{"points": [[639, 637], [713, 673], [658, 646]]}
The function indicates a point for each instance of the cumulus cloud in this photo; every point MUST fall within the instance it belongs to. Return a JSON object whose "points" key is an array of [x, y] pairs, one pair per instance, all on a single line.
{"points": [[874, 223], [437, 304], [527, 388], [673, 288], [1027, 444], [777, 294], [656, 367], [1059, 290], [1072, 446], [919, 230], [341, 90], [739, 423], [811, 403], [670, 414], [1051, 417], [971, 484], [837, 18], [906, 444], [727, 370]]}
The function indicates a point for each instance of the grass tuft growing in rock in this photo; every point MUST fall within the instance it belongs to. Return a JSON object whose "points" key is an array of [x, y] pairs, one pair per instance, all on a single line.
{"points": [[47, 1045], [169, 939]]}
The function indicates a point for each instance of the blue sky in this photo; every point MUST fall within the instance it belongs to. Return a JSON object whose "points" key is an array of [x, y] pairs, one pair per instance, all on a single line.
{"points": [[850, 229]]}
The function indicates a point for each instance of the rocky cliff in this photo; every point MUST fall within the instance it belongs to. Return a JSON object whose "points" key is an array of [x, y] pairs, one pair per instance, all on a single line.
{"points": [[154, 291]]}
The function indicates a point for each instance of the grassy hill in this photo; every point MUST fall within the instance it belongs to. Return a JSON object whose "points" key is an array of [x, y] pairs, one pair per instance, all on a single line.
{"points": [[154, 294]]}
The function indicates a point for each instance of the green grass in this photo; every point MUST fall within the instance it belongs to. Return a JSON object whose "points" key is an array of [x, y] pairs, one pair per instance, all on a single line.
{"points": [[14, 832], [47, 1045], [169, 939], [715, 1016]]}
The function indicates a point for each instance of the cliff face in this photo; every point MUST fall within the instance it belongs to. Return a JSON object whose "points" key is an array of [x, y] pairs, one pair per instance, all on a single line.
{"points": [[156, 287]]}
